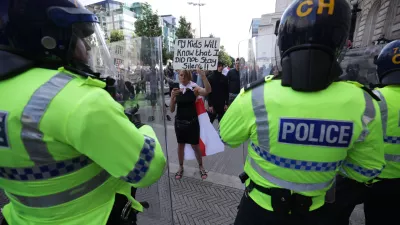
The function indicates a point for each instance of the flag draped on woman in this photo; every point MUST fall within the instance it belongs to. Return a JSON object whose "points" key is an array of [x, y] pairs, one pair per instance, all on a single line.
{"points": [[209, 143]]}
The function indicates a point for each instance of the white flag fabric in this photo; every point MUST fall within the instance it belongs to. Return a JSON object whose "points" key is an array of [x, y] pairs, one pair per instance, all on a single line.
{"points": [[209, 143], [225, 71]]}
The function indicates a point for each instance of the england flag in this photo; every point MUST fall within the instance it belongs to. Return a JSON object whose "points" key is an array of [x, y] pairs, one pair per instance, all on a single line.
{"points": [[209, 143]]}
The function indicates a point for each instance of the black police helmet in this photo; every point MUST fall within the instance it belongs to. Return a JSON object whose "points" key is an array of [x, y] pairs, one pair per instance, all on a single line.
{"points": [[321, 24], [311, 36], [388, 64], [45, 29]]}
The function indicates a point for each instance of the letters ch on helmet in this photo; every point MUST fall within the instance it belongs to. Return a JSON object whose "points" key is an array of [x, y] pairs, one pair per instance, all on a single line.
{"points": [[305, 8], [396, 57]]}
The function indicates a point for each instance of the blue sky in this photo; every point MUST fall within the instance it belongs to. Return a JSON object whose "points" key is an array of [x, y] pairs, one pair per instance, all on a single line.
{"points": [[229, 20]]}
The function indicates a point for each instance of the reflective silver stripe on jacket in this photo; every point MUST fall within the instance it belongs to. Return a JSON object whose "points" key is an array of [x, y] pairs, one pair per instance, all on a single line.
{"points": [[45, 165], [298, 187], [143, 164], [65, 196], [261, 114], [368, 116], [33, 113], [384, 114], [387, 139], [392, 158]]}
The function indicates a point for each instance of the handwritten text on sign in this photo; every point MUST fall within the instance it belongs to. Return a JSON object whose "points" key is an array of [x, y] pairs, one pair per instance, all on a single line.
{"points": [[191, 53]]}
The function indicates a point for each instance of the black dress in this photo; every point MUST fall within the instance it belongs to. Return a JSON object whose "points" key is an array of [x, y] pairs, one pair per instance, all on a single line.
{"points": [[187, 126]]}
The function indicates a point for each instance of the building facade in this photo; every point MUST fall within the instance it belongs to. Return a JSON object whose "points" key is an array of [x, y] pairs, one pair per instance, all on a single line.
{"points": [[115, 15], [377, 23], [377, 18], [168, 25], [255, 23], [266, 38], [137, 8]]}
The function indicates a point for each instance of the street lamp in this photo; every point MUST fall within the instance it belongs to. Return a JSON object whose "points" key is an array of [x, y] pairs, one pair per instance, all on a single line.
{"points": [[354, 12], [200, 5]]}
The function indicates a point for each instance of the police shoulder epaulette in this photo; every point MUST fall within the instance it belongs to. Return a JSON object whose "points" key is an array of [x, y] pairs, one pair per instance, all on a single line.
{"points": [[370, 92], [366, 89], [258, 83]]}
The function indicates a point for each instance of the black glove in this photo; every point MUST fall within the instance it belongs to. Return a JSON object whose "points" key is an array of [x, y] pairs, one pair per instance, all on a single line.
{"points": [[137, 123], [134, 118]]}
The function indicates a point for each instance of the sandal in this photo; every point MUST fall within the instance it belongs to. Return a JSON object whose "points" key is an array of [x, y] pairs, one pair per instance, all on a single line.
{"points": [[179, 174], [203, 174]]}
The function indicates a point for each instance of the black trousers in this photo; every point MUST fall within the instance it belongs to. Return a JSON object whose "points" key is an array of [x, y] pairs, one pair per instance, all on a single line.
{"points": [[252, 214], [380, 200], [218, 114]]}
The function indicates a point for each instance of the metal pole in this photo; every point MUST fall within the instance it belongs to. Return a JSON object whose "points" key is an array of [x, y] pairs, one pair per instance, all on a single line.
{"points": [[200, 17]]}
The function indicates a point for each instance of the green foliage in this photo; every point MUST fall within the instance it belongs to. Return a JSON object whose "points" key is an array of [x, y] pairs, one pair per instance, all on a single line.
{"points": [[116, 35], [148, 25], [224, 57], [233, 61], [185, 29], [166, 54]]}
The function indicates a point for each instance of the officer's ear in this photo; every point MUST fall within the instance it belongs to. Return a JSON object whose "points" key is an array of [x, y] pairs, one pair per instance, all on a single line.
{"points": [[277, 27]]}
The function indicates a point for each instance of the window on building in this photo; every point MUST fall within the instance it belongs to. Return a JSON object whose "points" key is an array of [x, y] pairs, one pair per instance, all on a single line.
{"points": [[119, 50], [392, 23], [370, 24], [99, 61], [118, 62]]}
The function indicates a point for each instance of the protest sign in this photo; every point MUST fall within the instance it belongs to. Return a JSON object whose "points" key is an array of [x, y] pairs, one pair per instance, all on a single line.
{"points": [[192, 53]]}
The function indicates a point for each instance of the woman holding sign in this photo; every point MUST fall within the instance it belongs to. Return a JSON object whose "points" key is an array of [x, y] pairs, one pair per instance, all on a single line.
{"points": [[187, 126]]}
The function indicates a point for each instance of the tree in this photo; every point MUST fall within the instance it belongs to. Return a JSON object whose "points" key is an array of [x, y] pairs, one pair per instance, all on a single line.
{"points": [[116, 35], [185, 29], [166, 54], [147, 27], [232, 60], [224, 57]]}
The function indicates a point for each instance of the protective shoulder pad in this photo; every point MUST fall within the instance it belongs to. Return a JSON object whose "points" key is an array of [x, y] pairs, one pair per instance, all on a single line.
{"points": [[366, 89], [13, 65], [258, 82], [90, 80]]}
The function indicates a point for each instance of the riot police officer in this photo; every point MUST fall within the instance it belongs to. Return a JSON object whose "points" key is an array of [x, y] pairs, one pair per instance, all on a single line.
{"points": [[303, 127], [378, 195], [66, 147], [378, 209]]}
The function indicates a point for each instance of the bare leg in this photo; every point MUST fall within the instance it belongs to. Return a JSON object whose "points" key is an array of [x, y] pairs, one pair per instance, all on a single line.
{"points": [[197, 153], [199, 158], [181, 155]]}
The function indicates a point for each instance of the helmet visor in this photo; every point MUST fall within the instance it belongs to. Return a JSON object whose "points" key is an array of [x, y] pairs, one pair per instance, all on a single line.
{"points": [[88, 50]]}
